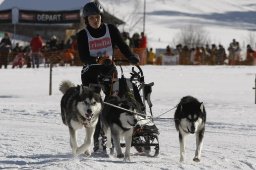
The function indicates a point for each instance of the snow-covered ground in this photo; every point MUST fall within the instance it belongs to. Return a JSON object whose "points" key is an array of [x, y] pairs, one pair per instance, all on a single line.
{"points": [[32, 135]]}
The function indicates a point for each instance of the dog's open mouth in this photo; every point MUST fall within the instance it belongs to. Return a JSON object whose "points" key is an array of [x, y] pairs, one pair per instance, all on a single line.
{"points": [[88, 119], [192, 132]]}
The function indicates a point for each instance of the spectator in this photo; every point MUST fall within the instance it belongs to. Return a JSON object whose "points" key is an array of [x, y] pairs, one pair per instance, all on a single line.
{"points": [[192, 55], [213, 54], [135, 40], [237, 56], [151, 57], [221, 55], [169, 58], [68, 42], [126, 38], [5, 49], [249, 55], [203, 55], [185, 56], [27, 55], [17, 48], [36, 46], [207, 55], [53, 43], [143, 40], [233, 44], [234, 52], [18, 60], [198, 56]]}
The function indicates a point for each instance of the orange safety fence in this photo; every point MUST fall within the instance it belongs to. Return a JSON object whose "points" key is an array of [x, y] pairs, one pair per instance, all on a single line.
{"points": [[62, 57], [69, 56]]}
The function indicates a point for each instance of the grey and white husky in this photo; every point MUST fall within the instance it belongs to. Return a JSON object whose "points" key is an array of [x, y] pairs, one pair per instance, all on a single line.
{"points": [[80, 107], [190, 118], [118, 124]]}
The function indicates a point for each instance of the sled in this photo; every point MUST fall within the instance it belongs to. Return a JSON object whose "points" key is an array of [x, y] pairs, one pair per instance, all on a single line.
{"points": [[145, 135]]}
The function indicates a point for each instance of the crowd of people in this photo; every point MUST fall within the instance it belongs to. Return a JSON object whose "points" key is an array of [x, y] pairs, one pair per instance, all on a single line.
{"points": [[204, 55], [36, 52], [38, 49], [136, 41]]}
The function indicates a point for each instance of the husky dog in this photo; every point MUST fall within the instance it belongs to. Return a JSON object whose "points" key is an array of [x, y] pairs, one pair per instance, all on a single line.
{"points": [[80, 107], [119, 123], [190, 118]]}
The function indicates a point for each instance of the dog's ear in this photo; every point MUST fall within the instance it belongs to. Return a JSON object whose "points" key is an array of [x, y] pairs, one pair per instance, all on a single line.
{"points": [[98, 98], [202, 107], [181, 108], [81, 90]]}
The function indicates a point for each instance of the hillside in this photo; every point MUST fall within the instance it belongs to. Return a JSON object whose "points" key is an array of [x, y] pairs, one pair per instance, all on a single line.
{"points": [[223, 20]]}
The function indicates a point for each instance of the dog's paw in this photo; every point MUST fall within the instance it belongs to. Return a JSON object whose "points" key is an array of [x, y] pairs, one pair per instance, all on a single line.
{"points": [[127, 159], [74, 152], [120, 155], [80, 150], [181, 159], [196, 159], [87, 153]]}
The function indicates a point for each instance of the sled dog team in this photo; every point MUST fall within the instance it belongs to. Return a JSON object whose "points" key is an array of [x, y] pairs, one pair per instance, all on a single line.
{"points": [[81, 107]]}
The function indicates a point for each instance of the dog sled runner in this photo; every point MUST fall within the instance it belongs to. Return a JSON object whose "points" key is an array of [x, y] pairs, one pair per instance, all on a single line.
{"points": [[145, 134]]}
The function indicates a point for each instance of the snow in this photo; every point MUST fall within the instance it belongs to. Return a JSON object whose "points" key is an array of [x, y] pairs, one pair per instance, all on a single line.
{"points": [[33, 136]]}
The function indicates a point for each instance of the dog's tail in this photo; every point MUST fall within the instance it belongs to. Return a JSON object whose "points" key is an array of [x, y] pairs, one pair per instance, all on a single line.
{"points": [[65, 85]]}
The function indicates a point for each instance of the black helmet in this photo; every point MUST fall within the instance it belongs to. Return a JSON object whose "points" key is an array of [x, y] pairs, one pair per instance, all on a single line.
{"points": [[92, 8]]}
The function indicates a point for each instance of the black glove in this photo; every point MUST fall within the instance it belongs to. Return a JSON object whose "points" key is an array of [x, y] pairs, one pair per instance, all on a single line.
{"points": [[134, 59]]}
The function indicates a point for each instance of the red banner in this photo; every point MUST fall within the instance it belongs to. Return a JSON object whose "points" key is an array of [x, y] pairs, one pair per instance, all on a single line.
{"points": [[6, 16]]}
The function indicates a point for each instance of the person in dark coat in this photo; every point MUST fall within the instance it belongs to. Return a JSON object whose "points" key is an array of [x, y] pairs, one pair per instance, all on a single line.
{"points": [[5, 49], [95, 45]]}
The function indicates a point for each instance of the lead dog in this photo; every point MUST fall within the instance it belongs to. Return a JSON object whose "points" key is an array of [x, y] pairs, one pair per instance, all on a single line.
{"points": [[80, 107], [190, 118], [118, 123]]}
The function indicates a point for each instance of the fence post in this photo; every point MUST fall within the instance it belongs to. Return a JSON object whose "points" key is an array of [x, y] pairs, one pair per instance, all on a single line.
{"points": [[255, 88], [50, 82]]}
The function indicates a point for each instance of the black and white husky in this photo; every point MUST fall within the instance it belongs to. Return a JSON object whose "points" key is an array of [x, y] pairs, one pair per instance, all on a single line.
{"points": [[118, 123], [80, 107], [190, 118]]}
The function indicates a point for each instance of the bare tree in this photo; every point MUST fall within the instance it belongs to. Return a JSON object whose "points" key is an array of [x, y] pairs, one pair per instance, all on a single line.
{"points": [[133, 18], [192, 36], [136, 16], [251, 39]]}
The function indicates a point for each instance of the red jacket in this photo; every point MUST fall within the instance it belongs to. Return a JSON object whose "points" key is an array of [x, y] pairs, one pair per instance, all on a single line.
{"points": [[143, 42], [36, 44]]}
